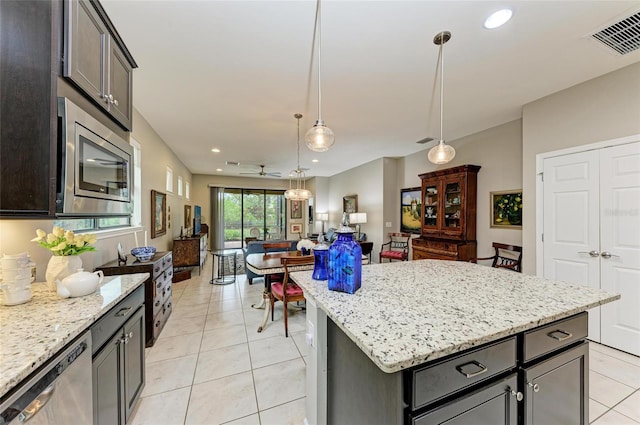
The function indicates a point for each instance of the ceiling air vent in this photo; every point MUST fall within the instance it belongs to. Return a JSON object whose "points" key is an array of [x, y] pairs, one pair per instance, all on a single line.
{"points": [[623, 36]]}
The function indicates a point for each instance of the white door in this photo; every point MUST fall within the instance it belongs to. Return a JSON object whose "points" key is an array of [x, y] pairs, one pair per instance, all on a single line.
{"points": [[620, 245], [571, 224]]}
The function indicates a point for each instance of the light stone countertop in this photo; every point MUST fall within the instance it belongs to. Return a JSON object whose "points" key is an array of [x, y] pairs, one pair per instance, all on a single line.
{"points": [[408, 313], [33, 332]]}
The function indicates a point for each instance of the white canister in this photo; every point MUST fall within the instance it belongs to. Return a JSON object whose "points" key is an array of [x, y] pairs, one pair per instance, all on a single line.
{"points": [[9, 275], [9, 296]]}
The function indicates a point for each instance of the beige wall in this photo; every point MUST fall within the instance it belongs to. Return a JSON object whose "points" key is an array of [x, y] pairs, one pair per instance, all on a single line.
{"points": [[498, 151], [15, 235], [607, 107]]}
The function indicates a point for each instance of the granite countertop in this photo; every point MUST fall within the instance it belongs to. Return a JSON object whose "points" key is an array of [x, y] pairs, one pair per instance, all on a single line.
{"points": [[33, 332], [408, 313]]}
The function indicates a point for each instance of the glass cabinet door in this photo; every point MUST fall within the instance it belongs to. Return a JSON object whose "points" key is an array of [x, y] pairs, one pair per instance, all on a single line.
{"points": [[431, 206], [452, 205]]}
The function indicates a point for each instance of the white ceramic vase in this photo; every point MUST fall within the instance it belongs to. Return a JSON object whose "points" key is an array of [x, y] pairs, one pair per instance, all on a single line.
{"points": [[61, 266]]}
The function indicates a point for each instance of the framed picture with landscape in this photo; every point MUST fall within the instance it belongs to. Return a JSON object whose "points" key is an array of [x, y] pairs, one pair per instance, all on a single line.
{"points": [[506, 209], [410, 210], [158, 214]]}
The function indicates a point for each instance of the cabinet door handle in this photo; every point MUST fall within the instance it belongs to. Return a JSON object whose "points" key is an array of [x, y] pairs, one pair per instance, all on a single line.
{"points": [[517, 394], [480, 371], [123, 311], [608, 255], [559, 335], [535, 387]]}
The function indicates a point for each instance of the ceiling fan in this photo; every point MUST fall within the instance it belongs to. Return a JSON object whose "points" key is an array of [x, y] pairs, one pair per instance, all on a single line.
{"points": [[264, 173]]}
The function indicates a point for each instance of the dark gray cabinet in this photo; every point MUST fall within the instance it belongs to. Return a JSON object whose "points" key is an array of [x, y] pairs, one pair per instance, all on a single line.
{"points": [[28, 58], [118, 363], [556, 390], [536, 377], [96, 60], [492, 405]]}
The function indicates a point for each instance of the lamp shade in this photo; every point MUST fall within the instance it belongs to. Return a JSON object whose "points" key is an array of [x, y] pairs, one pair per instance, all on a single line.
{"points": [[441, 153], [297, 194], [322, 216], [319, 138], [358, 218]]}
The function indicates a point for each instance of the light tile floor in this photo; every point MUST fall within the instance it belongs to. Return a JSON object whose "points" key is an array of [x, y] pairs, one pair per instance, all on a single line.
{"points": [[211, 366]]}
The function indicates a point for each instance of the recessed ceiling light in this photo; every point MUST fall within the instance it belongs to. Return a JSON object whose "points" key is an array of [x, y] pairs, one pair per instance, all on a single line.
{"points": [[216, 150], [314, 160], [218, 169], [497, 19]]}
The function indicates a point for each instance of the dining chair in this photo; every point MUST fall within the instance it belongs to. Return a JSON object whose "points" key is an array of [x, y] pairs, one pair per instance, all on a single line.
{"points": [[506, 257], [287, 291], [276, 246], [397, 248]]}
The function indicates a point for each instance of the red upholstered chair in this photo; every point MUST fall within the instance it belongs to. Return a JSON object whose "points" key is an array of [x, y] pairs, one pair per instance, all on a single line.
{"points": [[287, 291], [397, 248], [506, 257]]}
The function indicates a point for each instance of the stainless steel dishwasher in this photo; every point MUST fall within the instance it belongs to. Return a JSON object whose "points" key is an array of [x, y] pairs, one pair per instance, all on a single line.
{"points": [[60, 393]]}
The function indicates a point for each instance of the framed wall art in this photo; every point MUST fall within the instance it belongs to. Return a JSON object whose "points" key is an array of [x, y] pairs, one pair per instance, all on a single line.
{"points": [[350, 204], [296, 210], [296, 228], [158, 214], [506, 209], [187, 216], [410, 210]]}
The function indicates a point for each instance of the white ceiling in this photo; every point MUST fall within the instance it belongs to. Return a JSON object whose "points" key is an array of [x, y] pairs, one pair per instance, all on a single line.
{"points": [[231, 74]]}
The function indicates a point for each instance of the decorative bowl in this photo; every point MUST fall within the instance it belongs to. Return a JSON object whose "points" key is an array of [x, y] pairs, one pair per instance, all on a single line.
{"points": [[143, 253]]}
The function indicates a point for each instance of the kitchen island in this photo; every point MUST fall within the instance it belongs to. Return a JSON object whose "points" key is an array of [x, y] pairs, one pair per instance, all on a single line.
{"points": [[35, 331], [383, 354]]}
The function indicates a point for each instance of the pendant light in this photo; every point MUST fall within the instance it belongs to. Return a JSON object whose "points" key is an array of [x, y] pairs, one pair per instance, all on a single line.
{"points": [[299, 193], [441, 153], [320, 137]]}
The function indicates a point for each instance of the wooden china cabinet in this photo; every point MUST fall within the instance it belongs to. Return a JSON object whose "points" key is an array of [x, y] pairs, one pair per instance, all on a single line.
{"points": [[448, 215]]}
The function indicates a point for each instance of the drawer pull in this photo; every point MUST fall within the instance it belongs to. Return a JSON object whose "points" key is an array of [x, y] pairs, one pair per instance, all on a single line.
{"points": [[559, 335], [535, 387], [480, 371], [123, 311]]}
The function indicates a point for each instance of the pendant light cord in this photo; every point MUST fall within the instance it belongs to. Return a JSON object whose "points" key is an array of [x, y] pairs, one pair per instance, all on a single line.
{"points": [[441, 89], [319, 63], [298, 169]]}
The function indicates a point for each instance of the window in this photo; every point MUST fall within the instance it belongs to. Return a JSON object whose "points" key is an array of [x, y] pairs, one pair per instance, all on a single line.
{"points": [[179, 185], [169, 180], [186, 190]]}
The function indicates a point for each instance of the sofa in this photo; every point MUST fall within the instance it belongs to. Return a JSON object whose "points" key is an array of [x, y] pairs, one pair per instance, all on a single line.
{"points": [[254, 247]]}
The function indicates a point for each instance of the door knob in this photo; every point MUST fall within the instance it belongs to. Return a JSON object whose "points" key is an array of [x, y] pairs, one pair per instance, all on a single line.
{"points": [[592, 253], [608, 255], [535, 387]]}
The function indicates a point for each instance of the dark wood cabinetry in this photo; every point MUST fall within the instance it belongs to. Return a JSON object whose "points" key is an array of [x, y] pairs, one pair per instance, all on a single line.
{"points": [[190, 252], [118, 365], [158, 302], [496, 383], [97, 61], [28, 58], [32, 33], [448, 214]]}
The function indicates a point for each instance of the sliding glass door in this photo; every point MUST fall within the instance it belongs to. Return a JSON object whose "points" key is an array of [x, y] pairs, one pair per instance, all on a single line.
{"points": [[253, 213]]}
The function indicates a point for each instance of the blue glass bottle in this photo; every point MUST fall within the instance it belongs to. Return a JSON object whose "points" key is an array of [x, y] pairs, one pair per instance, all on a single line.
{"points": [[321, 254], [345, 262]]}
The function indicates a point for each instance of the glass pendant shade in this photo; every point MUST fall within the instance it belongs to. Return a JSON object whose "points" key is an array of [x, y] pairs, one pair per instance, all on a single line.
{"points": [[441, 153], [297, 194], [319, 138]]}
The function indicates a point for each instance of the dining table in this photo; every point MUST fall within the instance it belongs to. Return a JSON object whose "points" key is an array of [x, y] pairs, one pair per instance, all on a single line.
{"points": [[270, 264], [267, 265]]}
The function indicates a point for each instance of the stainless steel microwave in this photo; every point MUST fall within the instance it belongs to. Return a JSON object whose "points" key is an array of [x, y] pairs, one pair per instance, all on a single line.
{"points": [[94, 176]]}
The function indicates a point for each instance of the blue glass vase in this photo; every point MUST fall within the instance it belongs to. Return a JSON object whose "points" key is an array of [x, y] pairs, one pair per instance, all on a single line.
{"points": [[320, 264], [345, 264]]}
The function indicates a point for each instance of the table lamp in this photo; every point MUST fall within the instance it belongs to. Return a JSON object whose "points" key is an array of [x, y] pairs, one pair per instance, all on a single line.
{"points": [[358, 219], [322, 217]]}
